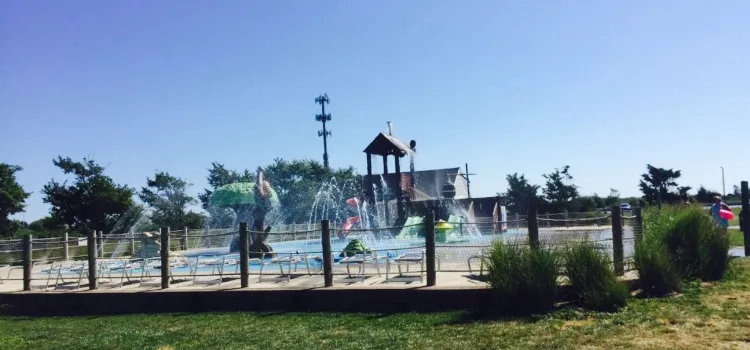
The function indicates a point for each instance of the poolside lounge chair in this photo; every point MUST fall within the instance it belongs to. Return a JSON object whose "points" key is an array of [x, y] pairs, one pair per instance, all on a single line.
{"points": [[289, 259], [10, 270], [361, 260], [409, 259], [152, 265], [482, 256]]}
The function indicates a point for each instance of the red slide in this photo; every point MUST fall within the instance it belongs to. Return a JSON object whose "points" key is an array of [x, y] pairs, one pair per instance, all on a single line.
{"points": [[347, 226]]}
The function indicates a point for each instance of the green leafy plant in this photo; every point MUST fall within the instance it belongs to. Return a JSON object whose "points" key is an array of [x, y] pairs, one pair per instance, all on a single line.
{"points": [[592, 279], [656, 272], [523, 278]]}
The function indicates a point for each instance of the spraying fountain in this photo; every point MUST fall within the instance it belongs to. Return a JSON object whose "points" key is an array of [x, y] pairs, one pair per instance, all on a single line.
{"points": [[251, 201]]}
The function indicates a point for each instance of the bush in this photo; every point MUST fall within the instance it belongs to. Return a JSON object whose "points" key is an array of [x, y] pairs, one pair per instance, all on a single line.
{"points": [[524, 279], [592, 280], [698, 248], [656, 271]]}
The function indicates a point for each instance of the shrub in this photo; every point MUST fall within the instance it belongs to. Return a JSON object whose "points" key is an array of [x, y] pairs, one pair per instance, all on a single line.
{"points": [[592, 280], [656, 271], [698, 248], [523, 278]]}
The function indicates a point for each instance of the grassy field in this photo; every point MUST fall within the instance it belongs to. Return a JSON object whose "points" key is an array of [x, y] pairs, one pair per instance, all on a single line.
{"points": [[736, 238], [704, 316]]}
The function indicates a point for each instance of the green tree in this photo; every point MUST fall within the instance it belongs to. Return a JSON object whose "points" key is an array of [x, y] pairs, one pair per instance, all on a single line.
{"points": [[559, 191], [298, 181], [705, 196], [167, 197], [660, 184], [194, 220], [613, 198], [46, 227], [92, 201], [12, 198], [521, 194]]}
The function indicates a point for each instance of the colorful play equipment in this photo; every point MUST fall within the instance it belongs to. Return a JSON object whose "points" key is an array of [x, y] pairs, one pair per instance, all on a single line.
{"points": [[726, 214], [347, 226], [442, 229]]}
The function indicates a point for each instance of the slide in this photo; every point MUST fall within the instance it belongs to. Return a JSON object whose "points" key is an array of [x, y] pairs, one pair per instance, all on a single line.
{"points": [[347, 226], [411, 227]]}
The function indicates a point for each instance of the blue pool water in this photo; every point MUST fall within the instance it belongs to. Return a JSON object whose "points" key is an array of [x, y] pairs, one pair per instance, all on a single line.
{"points": [[208, 260]]}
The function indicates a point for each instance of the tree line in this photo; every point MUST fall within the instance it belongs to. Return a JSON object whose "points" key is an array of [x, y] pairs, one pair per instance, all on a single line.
{"points": [[560, 194], [90, 200]]}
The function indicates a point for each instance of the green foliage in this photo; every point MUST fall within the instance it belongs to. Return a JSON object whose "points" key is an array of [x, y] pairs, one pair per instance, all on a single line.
{"points": [[697, 246], [12, 198], [660, 183], [167, 196], [523, 278], [680, 242], [92, 201], [656, 271], [705, 196], [558, 191], [612, 199], [297, 182], [195, 220], [521, 195], [592, 279], [219, 175]]}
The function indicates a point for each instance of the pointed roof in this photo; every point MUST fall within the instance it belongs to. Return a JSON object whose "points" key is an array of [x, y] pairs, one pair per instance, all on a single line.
{"points": [[386, 145]]}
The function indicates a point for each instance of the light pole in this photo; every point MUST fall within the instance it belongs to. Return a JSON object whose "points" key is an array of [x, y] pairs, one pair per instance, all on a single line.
{"points": [[322, 100], [723, 187]]}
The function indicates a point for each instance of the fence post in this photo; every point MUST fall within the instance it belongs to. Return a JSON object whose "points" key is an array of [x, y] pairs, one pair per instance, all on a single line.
{"points": [[617, 249], [638, 224], [325, 227], [517, 219], [27, 262], [745, 215], [533, 225], [66, 246], [185, 239], [244, 257], [164, 252], [546, 217], [91, 247], [101, 244], [429, 227], [132, 245]]}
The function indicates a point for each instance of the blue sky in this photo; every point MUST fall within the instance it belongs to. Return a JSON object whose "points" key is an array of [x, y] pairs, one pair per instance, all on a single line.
{"points": [[506, 86]]}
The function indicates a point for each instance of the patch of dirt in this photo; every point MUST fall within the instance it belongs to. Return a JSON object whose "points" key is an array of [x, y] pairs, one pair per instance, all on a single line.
{"points": [[575, 324]]}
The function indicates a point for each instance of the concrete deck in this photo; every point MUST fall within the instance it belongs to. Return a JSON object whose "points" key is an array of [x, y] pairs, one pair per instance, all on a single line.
{"points": [[270, 280]]}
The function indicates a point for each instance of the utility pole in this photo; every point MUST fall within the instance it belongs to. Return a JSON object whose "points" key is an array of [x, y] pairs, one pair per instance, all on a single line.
{"points": [[466, 176], [322, 100], [723, 187]]}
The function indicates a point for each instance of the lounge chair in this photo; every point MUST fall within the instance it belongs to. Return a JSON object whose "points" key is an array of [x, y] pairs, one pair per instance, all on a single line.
{"points": [[361, 260], [288, 259]]}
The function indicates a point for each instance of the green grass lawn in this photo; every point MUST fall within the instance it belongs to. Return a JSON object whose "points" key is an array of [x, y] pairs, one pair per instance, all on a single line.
{"points": [[736, 238], [704, 316]]}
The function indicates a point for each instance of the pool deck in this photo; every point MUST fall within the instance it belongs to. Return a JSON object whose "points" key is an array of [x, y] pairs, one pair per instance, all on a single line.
{"points": [[270, 280]]}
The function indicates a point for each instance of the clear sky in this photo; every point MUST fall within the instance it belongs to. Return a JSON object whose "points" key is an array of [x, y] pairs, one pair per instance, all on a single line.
{"points": [[506, 86]]}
